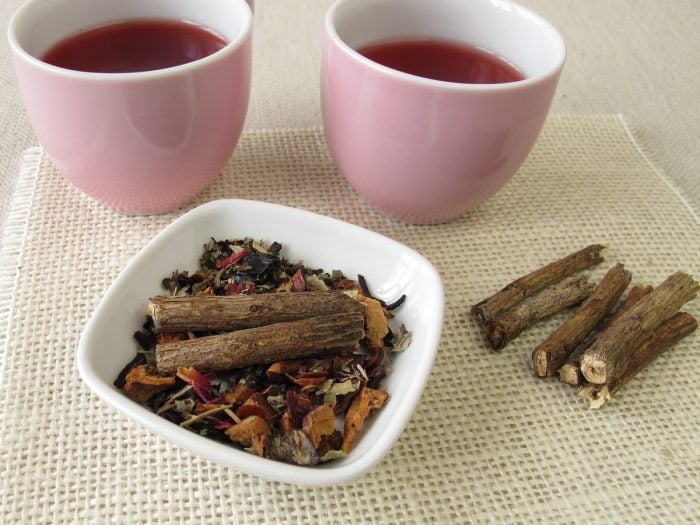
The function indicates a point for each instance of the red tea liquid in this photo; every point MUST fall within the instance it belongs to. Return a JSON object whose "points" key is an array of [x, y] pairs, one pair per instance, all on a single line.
{"points": [[134, 45], [441, 60]]}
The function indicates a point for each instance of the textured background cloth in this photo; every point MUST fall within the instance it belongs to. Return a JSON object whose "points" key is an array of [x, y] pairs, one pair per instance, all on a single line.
{"points": [[635, 57], [488, 442]]}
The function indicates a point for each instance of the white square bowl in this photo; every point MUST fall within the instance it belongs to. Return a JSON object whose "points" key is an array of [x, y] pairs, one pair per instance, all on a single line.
{"points": [[391, 269]]}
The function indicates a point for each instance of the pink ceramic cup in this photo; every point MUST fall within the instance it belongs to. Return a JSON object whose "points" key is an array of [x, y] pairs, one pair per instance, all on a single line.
{"points": [[145, 142], [426, 151]]}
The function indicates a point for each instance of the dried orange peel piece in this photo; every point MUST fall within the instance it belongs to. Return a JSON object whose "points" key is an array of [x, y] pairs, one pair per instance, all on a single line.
{"points": [[368, 400], [319, 422], [376, 324], [246, 431], [143, 382]]}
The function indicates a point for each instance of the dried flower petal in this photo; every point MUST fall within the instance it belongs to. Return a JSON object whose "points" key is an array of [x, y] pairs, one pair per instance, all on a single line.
{"points": [[298, 405], [298, 281], [200, 383], [255, 405], [232, 259], [293, 447]]}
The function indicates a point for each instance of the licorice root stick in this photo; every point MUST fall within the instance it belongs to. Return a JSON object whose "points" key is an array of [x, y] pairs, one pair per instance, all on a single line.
{"points": [[261, 345], [504, 328], [535, 281], [666, 336], [548, 356], [234, 312], [600, 361], [570, 371]]}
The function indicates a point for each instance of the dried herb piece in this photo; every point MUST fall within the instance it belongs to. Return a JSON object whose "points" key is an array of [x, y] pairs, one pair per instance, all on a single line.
{"points": [[506, 327], [294, 447], [533, 282], [664, 337], [570, 371], [364, 288], [608, 352], [548, 356], [402, 340]]}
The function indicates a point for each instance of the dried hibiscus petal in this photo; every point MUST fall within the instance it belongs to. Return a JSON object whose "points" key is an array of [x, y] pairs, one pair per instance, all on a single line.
{"points": [[200, 383], [255, 405], [332, 441], [231, 259], [298, 281], [224, 424], [298, 405]]}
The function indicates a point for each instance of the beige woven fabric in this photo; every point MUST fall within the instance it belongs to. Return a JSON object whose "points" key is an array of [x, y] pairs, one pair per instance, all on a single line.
{"points": [[488, 443]]}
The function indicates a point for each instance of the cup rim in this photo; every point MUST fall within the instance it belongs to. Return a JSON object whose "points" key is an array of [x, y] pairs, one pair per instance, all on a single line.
{"points": [[188, 67], [332, 33]]}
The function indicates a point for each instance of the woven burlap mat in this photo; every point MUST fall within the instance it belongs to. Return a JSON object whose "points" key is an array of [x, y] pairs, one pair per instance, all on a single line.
{"points": [[488, 443]]}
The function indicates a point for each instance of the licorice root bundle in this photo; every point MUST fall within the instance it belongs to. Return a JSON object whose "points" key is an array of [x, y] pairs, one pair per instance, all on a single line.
{"points": [[599, 348]]}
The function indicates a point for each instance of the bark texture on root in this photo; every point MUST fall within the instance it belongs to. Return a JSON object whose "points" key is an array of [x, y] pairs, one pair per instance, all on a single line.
{"points": [[606, 355], [262, 345], [570, 371], [504, 328], [234, 312], [665, 337], [533, 282], [548, 356]]}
